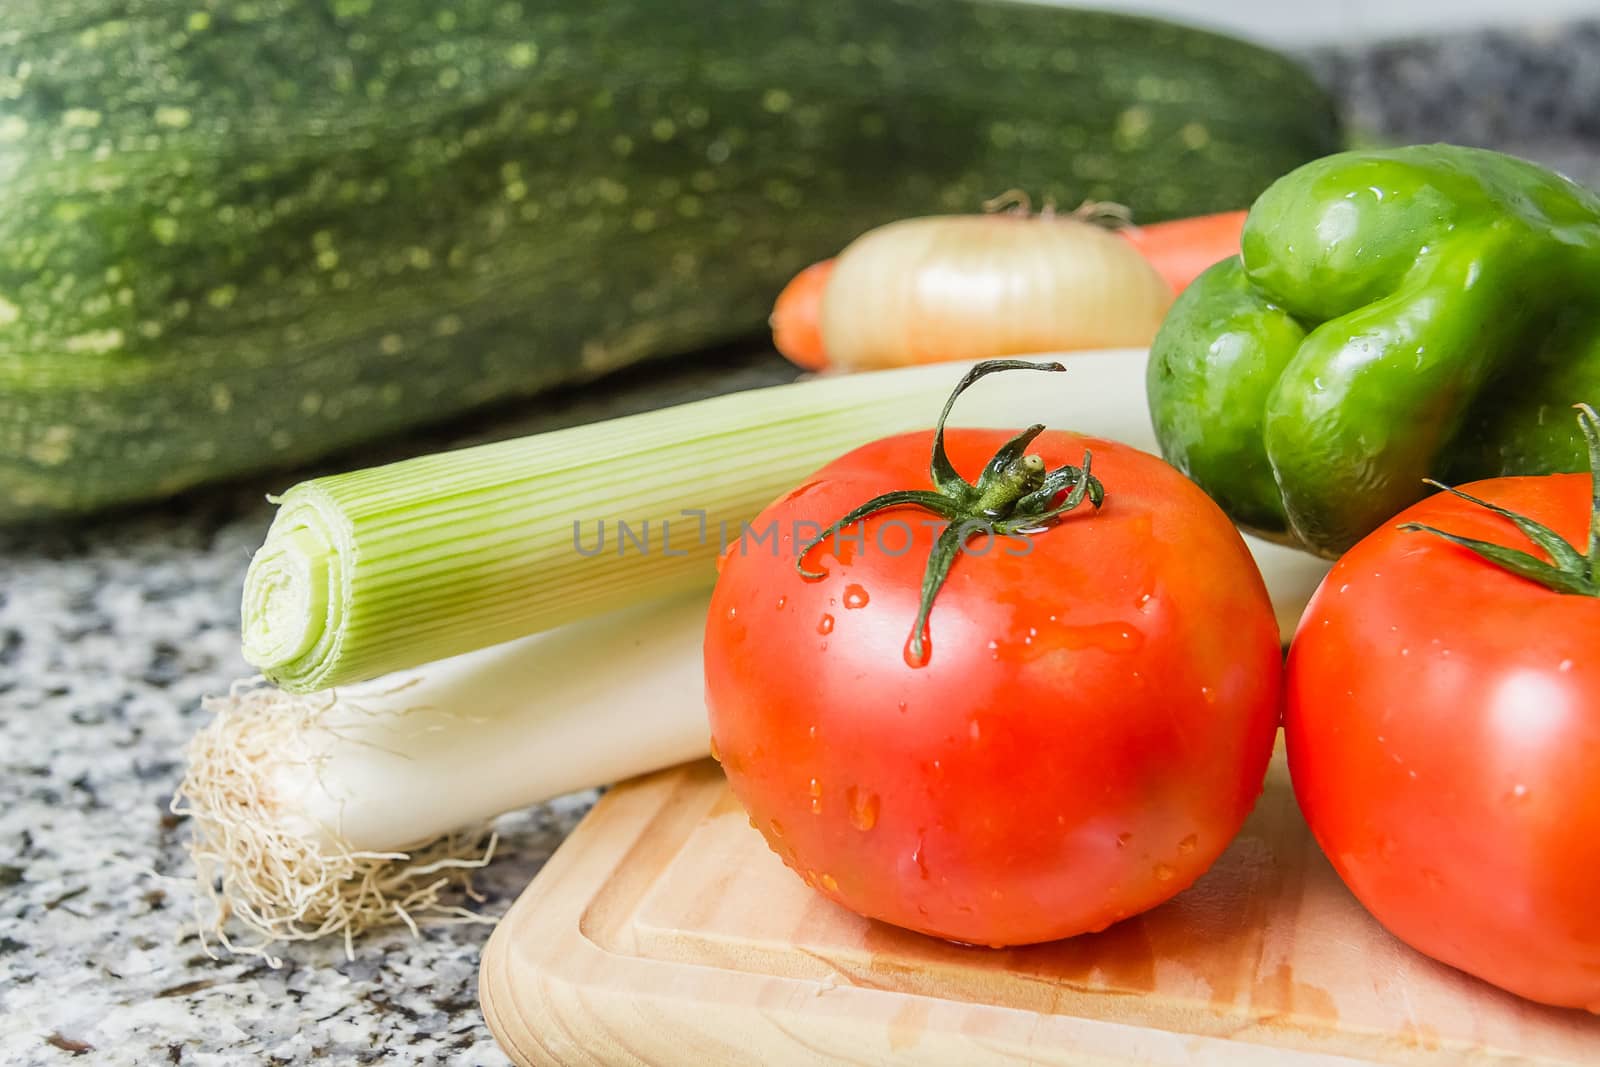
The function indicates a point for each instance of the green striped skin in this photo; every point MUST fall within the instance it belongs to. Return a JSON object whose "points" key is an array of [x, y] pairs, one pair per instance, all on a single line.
{"points": [[240, 235]]}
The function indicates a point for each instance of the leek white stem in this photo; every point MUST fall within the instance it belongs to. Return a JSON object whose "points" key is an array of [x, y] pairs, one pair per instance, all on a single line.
{"points": [[319, 815]]}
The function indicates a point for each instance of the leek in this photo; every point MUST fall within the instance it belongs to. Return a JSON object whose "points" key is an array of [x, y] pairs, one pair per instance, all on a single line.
{"points": [[381, 570], [322, 815]]}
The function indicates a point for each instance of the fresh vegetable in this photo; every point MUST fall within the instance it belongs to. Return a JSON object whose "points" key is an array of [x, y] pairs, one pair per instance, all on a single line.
{"points": [[1181, 250], [1396, 314], [955, 287], [952, 287], [320, 816], [1443, 728], [995, 737], [383, 569], [244, 235], [797, 317]]}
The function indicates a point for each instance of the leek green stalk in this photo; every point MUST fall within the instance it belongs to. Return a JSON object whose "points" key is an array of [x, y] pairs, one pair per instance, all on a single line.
{"points": [[387, 568]]}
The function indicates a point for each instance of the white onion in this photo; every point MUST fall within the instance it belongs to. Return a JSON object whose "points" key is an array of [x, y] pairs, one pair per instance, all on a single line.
{"points": [[978, 286]]}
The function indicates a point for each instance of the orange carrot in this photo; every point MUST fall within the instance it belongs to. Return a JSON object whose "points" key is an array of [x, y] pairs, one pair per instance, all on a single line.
{"points": [[1182, 249], [797, 317]]}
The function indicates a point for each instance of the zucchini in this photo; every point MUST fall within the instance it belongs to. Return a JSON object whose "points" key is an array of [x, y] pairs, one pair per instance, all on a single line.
{"points": [[239, 234]]}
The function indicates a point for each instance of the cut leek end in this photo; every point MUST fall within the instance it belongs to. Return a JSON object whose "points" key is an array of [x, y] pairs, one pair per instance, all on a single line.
{"points": [[275, 875], [292, 597]]}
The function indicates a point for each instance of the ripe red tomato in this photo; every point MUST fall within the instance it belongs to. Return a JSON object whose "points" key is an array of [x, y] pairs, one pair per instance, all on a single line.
{"points": [[1090, 727], [1443, 727]]}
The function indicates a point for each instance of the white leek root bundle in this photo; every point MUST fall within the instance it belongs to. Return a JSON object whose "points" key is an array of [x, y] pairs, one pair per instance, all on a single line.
{"points": [[321, 815]]}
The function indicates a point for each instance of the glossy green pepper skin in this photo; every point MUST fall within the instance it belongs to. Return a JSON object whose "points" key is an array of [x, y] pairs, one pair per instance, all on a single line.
{"points": [[1395, 315]]}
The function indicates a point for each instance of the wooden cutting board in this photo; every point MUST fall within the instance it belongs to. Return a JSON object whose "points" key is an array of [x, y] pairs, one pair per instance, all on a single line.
{"points": [[664, 932]]}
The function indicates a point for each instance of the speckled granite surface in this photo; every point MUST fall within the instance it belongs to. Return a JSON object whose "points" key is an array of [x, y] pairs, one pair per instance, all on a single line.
{"points": [[111, 632], [109, 635]]}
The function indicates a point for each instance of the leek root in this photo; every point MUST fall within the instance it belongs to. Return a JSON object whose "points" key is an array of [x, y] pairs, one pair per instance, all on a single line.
{"points": [[323, 815]]}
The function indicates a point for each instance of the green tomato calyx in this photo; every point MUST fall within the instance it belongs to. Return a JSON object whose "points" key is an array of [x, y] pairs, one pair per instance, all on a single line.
{"points": [[1568, 570], [1015, 496]]}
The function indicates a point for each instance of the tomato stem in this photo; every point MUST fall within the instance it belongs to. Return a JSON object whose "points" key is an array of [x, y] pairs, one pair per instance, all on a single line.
{"points": [[1568, 570], [1015, 496]]}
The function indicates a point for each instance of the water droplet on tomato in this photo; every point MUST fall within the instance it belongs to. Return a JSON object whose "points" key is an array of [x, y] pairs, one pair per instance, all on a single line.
{"points": [[902, 707], [825, 624], [716, 753], [1123, 839], [854, 597], [913, 659], [811, 732], [1105, 636], [1165, 873], [732, 613], [1207, 694], [916, 858], [829, 883], [1518, 792], [800, 491], [1187, 845], [781, 602], [816, 788], [816, 805], [1566, 665], [863, 808], [975, 730]]}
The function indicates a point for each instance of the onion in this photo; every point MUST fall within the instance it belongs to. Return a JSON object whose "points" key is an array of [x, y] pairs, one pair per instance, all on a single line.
{"points": [[977, 286]]}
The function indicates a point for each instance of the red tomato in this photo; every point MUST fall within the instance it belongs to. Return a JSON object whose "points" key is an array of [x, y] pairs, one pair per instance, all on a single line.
{"points": [[1091, 725], [1443, 727]]}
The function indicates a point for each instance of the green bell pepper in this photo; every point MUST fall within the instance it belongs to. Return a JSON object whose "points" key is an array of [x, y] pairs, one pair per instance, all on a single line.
{"points": [[1396, 315]]}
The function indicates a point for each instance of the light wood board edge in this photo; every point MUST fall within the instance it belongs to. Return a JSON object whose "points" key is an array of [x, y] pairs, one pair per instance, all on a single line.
{"points": [[558, 986]]}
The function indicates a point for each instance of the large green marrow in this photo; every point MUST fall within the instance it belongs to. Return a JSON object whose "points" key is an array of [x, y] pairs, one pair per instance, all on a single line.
{"points": [[241, 234]]}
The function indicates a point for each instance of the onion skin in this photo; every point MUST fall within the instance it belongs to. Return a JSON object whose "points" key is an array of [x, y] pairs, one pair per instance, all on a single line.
{"points": [[1179, 250], [943, 288]]}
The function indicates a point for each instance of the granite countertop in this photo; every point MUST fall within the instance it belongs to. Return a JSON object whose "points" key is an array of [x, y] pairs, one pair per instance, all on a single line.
{"points": [[110, 633]]}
